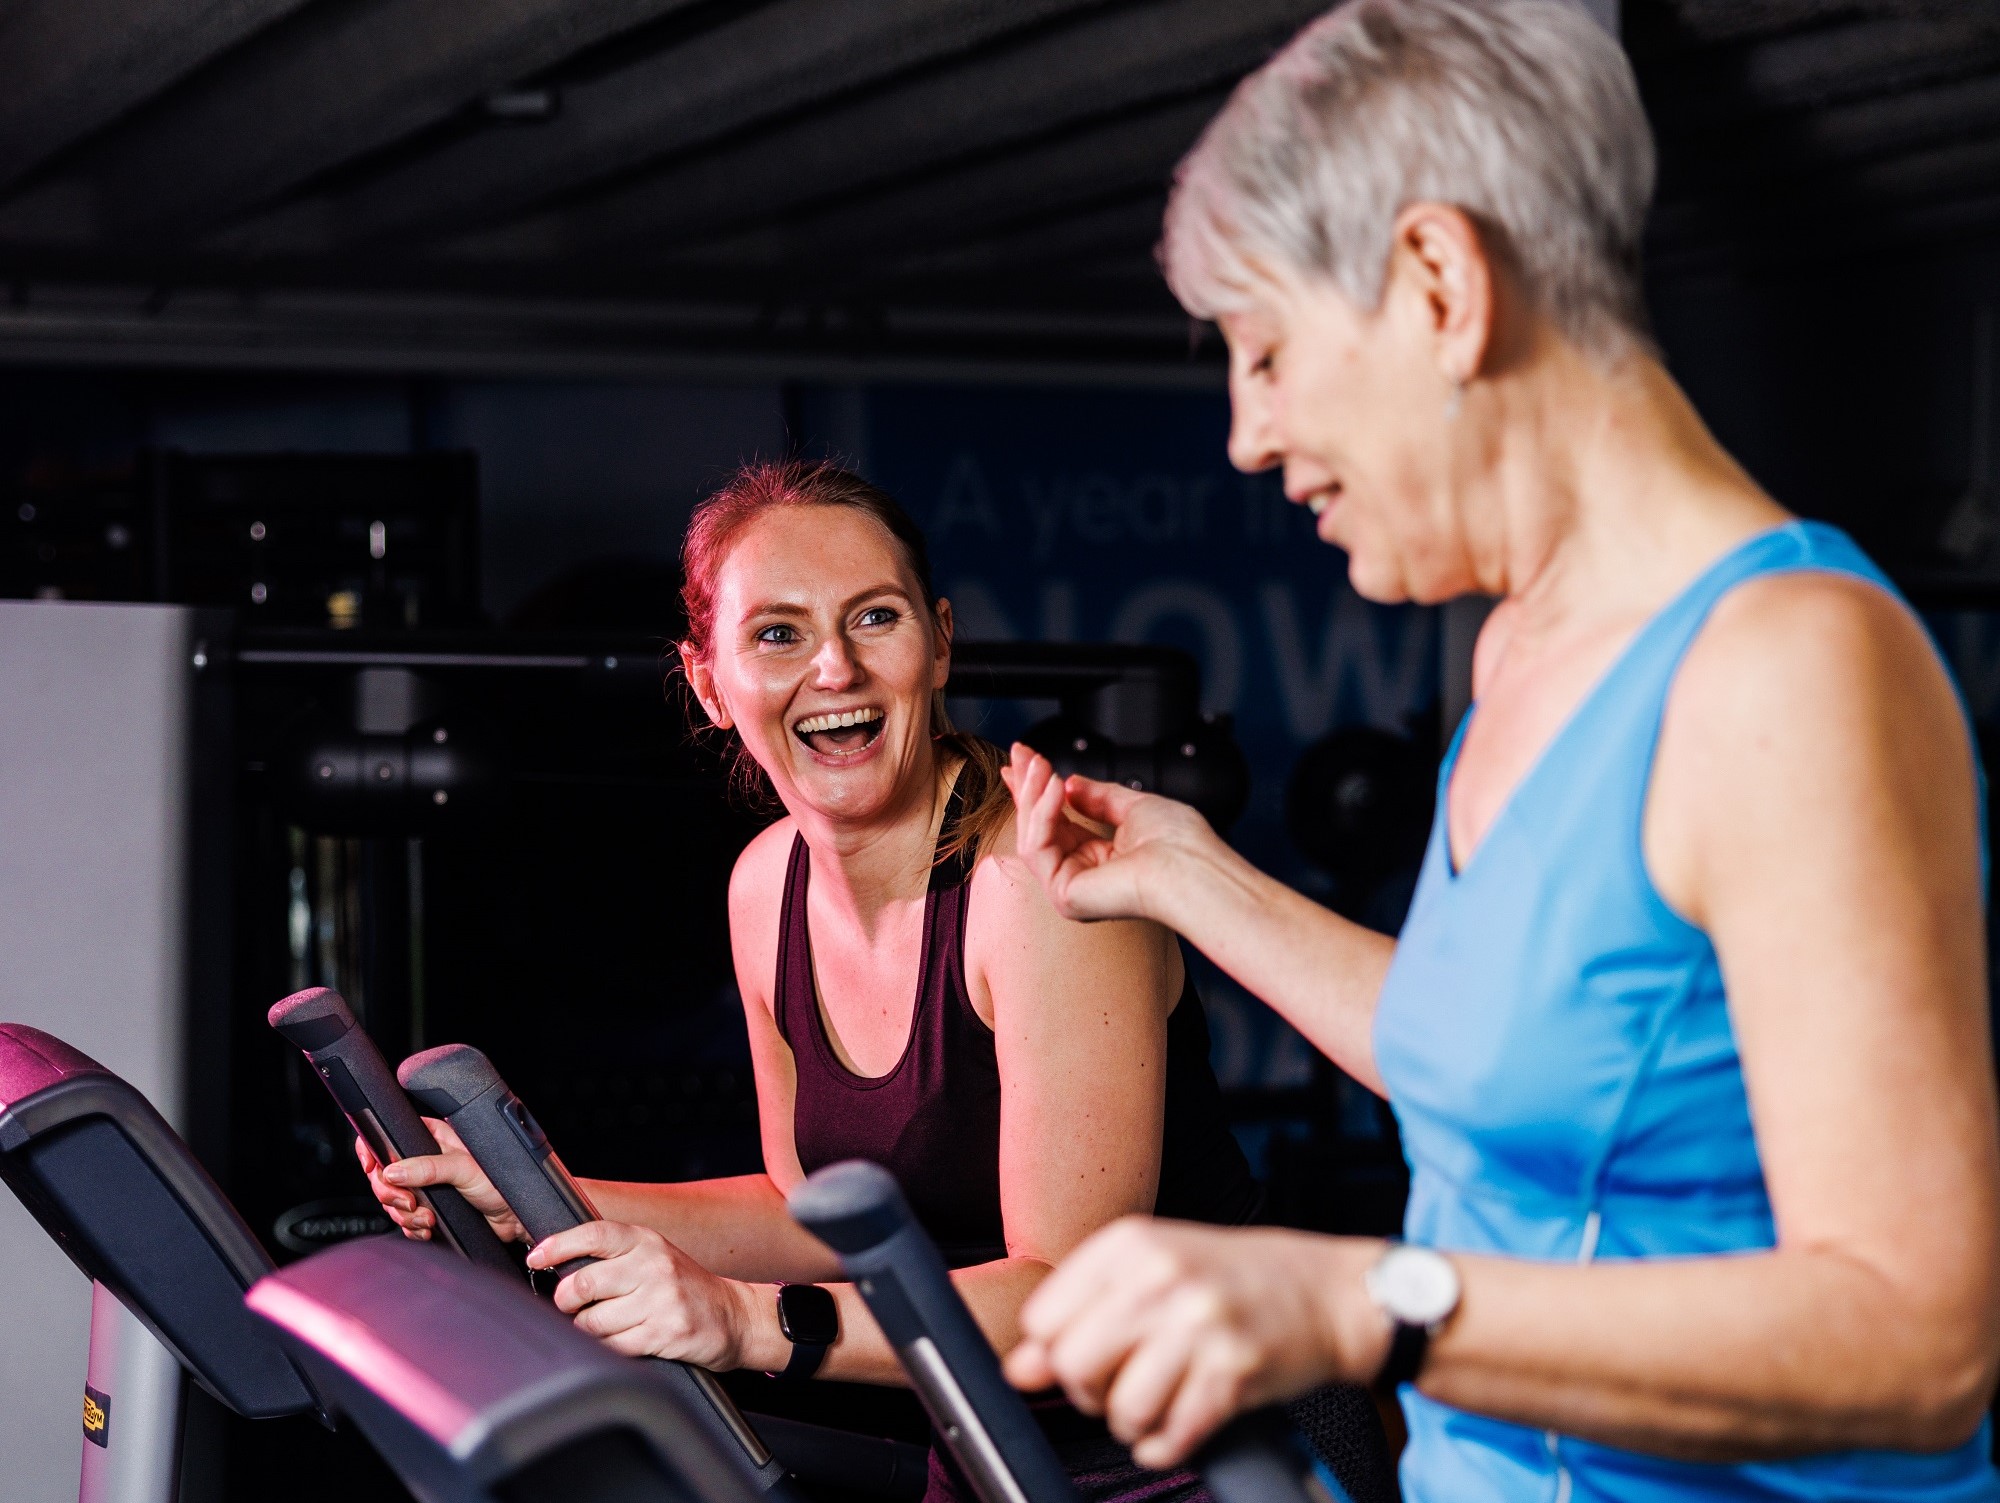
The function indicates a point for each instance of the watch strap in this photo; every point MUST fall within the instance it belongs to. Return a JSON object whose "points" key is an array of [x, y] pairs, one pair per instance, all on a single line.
{"points": [[1407, 1349], [806, 1358]]}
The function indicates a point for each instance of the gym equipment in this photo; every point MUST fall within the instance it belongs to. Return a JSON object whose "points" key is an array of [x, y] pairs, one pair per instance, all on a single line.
{"points": [[334, 540], [116, 895], [1128, 713], [321, 1024], [1358, 805], [857, 1209], [474, 1391], [121, 1194], [401, 760], [459, 1084], [1260, 1458]]}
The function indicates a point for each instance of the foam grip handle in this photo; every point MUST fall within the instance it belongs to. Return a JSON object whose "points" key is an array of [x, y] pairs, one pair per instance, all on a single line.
{"points": [[1259, 1458], [320, 1023], [857, 1209], [458, 1083]]}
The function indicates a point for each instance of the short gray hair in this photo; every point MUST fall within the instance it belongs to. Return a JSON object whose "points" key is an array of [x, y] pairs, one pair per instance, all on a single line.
{"points": [[1523, 113]]}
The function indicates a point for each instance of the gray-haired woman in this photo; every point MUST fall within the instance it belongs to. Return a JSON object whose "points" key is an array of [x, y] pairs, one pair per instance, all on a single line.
{"points": [[1687, 1029]]}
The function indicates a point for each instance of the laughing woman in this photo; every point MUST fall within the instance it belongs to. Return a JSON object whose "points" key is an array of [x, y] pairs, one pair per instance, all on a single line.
{"points": [[912, 996]]}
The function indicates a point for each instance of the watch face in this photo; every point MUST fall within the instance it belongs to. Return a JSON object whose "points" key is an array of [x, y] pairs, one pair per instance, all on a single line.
{"points": [[807, 1314], [1414, 1285]]}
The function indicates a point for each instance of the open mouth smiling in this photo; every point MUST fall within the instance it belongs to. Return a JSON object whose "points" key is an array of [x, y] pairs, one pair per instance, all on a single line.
{"points": [[841, 732], [1319, 500]]}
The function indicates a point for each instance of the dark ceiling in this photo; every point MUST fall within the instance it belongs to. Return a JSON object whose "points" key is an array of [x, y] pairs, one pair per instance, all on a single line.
{"points": [[600, 184]]}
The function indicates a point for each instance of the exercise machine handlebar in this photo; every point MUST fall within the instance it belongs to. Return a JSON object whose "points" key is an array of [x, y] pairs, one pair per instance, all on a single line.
{"points": [[858, 1210], [1260, 1458], [320, 1023], [459, 1084]]}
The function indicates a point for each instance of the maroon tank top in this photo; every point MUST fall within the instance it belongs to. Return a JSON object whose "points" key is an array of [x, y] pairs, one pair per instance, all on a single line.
{"points": [[934, 1119]]}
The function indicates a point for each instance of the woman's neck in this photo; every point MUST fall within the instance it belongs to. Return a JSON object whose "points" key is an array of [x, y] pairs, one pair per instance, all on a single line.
{"points": [[862, 867], [1601, 491]]}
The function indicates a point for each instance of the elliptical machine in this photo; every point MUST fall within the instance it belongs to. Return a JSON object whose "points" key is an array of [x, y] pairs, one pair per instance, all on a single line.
{"points": [[476, 1392], [119, 1191]]}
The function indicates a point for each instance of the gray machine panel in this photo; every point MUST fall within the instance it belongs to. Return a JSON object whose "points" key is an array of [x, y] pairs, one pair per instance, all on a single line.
{"points": [[100, 943]]}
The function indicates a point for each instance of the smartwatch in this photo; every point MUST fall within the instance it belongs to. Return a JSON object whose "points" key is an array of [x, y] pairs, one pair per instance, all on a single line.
{"points": [[1417, 1288], [810, 1320]]}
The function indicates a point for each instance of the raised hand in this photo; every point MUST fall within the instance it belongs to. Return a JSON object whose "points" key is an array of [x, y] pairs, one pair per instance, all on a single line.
{"points": [[645, 1297], [1100, 851], [1167, 1329], [453, 1166]]}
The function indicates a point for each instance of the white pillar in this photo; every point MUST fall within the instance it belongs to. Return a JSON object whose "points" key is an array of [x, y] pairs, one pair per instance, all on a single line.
{"points": [[94, 907]]}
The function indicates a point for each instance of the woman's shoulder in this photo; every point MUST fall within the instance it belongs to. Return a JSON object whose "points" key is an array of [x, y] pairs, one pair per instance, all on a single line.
{"points": [[1019, 944], [1008, 908], [756, 899], [756, 884], [1812, 722], [999, 881], [1823, 637]]}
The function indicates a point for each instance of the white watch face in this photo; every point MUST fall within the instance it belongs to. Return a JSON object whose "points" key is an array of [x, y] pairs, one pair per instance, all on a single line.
{"points": [[1414, 1285]]}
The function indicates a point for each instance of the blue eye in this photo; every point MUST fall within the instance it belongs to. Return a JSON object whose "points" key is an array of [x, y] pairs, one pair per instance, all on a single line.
{"points": [[878, 615], [778, 636]]}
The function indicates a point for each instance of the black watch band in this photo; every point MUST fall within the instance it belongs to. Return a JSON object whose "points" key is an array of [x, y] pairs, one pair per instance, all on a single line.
{"points": [[810, 1320], [1407, 1350], [806, 1358]]}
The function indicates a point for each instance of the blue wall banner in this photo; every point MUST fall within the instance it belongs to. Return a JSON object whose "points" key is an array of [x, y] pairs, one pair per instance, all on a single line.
{"points": [[1115, 516]]}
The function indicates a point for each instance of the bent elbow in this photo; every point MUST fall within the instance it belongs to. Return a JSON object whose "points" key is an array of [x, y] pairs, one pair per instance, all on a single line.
{"points": [[1945, 1404]]}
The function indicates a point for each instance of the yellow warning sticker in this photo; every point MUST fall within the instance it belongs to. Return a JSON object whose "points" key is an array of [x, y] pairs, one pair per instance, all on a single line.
{"points": [[96, 1416]]}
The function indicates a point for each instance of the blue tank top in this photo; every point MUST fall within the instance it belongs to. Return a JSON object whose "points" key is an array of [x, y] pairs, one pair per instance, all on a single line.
{"points": [[1556, 1043]]}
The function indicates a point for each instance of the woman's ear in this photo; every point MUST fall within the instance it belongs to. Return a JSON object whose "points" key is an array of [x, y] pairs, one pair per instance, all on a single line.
{"points": [[941, 644], [703, 683], [1439, 252]]}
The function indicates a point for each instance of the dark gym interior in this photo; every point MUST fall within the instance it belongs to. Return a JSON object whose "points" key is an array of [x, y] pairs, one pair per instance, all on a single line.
{"points": [[404, 337]]}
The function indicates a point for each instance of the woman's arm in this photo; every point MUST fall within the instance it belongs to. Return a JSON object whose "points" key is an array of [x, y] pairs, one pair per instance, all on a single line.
{"points": [[1079, 1016], [736, 1227], [739, 1228], [1813, 809], [1160, 860], [647, 1298]]}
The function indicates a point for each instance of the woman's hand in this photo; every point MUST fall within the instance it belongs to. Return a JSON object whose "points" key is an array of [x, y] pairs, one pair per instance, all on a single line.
{"points": [[452, 1166], [1100, 850], [647, 1298], [1167, 1329]]}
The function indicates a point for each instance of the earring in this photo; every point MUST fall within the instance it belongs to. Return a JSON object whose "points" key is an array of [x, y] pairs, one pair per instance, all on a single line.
{"points": [[1455, 402]]}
